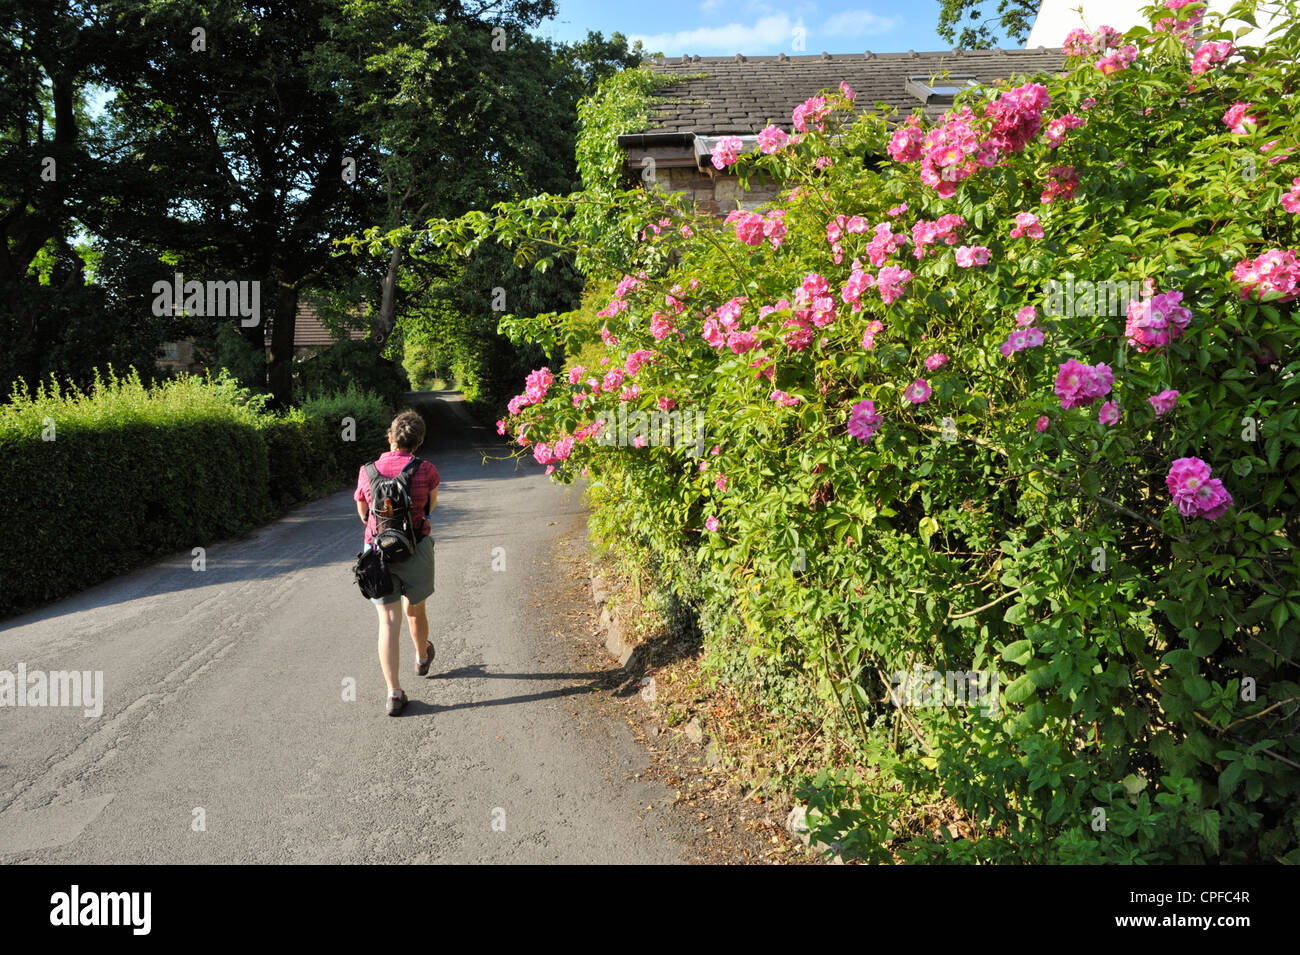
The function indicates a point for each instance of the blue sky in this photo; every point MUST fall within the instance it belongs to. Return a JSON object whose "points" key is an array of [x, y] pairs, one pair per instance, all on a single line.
{"points": [[756, 27]]}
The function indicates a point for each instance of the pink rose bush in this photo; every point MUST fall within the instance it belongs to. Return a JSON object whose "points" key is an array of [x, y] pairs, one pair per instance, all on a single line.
{"points": [[1054, 257]]}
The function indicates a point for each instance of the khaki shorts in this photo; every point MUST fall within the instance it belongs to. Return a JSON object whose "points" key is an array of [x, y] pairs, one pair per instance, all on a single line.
{"points": [[412, 577]]}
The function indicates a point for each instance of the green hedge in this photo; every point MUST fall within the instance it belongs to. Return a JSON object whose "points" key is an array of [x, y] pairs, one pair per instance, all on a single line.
{"points": [[108, 478]]}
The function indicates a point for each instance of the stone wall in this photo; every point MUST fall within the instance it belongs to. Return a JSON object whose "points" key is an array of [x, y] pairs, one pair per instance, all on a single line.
{"points": [[713, 192]]}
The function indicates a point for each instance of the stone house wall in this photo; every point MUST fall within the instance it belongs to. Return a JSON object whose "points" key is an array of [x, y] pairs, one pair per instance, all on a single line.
{"points": [[713, 192]]}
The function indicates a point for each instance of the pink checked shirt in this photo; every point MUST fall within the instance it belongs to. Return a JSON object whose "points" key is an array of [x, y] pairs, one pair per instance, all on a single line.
{"points": [[423, 481]]}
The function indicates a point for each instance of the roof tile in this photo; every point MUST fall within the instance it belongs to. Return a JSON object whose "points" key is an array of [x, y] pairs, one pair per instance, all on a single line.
{"points": [[737, 97]]}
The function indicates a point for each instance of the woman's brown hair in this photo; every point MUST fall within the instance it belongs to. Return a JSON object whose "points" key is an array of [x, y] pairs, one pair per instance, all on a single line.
{"points": [[407, 430]]}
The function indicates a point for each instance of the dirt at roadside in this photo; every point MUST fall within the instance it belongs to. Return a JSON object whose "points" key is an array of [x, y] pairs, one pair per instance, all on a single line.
{"points": [[714, 815]]}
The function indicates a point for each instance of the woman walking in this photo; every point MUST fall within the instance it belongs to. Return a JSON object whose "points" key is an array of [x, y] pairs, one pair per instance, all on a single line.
{"points": [[412, 575]]}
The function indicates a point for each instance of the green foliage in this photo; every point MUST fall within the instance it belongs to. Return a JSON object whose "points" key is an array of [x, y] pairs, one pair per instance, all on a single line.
{"points": [[1011, 19], [620, 105], [318, 447], [120, 473], [245, 362], [347, 364], [424, 364], [1147, 660]]}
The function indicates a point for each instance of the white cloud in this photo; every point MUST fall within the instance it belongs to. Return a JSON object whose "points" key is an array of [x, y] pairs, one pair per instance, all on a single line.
{"points": [[767, 34], [859, 22]]}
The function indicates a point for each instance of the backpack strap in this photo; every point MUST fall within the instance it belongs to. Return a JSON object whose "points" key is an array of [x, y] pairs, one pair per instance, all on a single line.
{"points": [[407, 473], [372, 473]]}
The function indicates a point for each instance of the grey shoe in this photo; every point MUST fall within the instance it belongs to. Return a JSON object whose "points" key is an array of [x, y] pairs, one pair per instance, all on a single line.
{"points": [[396, 703]]}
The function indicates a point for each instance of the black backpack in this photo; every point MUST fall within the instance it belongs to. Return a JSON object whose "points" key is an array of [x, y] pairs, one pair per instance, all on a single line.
{"points": [[390, 503]]}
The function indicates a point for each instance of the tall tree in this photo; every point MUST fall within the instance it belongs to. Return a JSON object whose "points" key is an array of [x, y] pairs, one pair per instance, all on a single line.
{"points": [[50, 59], [460, 114], [984, 29], [463, 116], [221, 105]]}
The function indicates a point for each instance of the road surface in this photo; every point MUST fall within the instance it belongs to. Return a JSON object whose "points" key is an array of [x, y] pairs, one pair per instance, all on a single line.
{"points": [[228, 733]]}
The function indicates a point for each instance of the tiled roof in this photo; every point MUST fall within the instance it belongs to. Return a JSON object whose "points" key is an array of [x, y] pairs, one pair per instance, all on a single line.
{"points": [[742, 95], [308, 329]]}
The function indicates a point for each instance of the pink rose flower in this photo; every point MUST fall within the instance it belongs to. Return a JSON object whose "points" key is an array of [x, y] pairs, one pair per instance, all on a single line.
{"points": [[1109, 414], [811, 113], [972, 255], [1291, 200], [891, 282], [864, 421], [1062, 183], [1027, 225], [1272, 276], [1195, 493], [711, 524], [1237, 118], [1079, 384], [726, 152], [936, 361], [874, 328], [771, 139], [1214, 51], [1157, 321], [918, 391], [1164, 402]]}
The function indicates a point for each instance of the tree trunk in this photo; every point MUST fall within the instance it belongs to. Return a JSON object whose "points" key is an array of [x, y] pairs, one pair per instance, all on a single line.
{"points": [[279, 370], [382, 330]]}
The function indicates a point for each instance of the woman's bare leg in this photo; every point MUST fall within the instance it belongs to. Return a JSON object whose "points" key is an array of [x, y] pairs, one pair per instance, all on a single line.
{"points": [[418, 622], [390, 631]]}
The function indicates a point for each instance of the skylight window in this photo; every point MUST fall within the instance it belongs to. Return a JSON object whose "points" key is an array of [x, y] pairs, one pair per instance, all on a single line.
{"points": [[939, 89]]}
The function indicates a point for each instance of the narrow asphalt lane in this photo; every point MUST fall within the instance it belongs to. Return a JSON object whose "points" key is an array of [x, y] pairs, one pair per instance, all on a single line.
{"points": [[229, 732]]}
